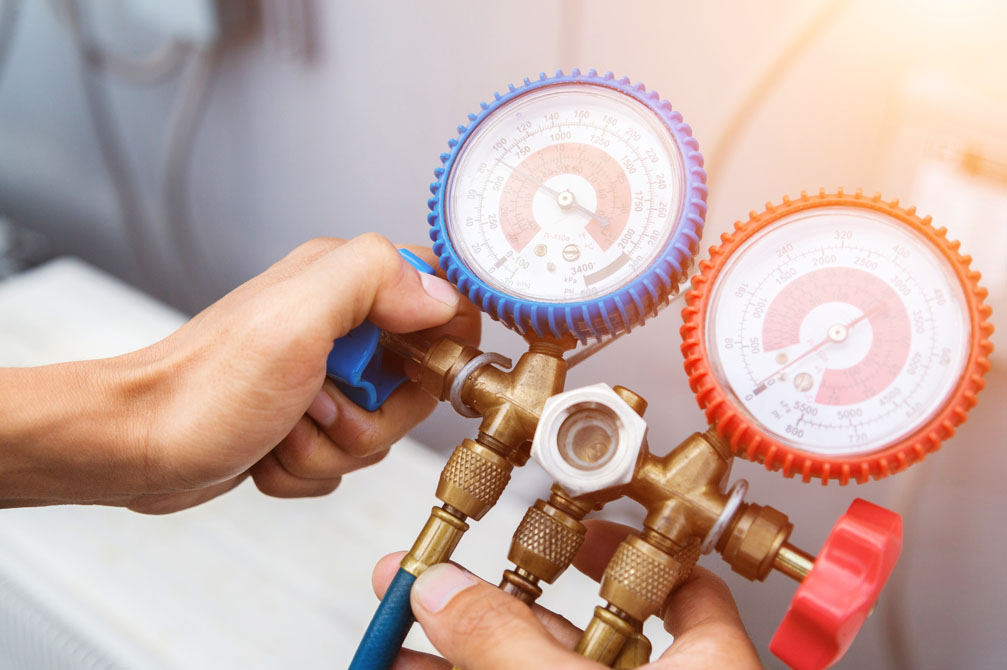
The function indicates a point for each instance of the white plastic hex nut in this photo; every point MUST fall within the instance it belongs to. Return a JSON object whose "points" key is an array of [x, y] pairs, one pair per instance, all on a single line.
{"points": [[588, 439]]}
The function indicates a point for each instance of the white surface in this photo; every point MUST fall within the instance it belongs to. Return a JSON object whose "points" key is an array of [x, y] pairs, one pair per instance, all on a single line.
{"points": [[245, 581]]}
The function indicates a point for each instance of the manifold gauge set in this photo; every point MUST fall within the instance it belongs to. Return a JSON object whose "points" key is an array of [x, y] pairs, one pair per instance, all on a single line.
{"points": [[835, 336]]}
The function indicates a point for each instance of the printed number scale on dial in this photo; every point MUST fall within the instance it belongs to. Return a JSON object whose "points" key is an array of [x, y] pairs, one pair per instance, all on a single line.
{"points": [[838, 330], [564, 194]]}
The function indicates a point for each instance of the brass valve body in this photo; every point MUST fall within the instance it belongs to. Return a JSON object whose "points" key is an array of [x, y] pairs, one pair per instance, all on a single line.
{"points": [[510, 403], [683, 494], [682, 491]]}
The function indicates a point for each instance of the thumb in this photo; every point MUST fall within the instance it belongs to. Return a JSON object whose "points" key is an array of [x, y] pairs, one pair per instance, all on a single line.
{"points": [[475, 625], [366, 278]]}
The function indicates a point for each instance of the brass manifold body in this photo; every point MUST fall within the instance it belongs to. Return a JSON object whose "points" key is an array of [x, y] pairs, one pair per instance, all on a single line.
{"points": [[509, 403], [688, 508]]}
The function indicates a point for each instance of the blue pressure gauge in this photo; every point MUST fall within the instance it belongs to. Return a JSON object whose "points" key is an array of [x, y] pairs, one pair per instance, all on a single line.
{"points": [[573, 203]]}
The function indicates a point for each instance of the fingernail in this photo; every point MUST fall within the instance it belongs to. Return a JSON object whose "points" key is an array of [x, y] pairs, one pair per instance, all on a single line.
{"points": [[439, 584], [323, 409], [439, 290]]}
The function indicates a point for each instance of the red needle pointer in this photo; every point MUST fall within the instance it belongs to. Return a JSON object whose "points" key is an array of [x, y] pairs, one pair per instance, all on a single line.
{"points": [[837, 333]]}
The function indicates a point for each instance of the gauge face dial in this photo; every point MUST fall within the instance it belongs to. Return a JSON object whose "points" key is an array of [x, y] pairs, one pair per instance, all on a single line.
{"points": [[839, 330], [564, 194]]}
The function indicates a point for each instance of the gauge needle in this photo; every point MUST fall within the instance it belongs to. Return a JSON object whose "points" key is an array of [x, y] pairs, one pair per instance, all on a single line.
{"points": [[564, 199], [836, 333]]}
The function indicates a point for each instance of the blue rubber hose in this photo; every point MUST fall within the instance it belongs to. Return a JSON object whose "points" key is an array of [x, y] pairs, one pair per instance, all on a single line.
{"points": [[388, 628]]}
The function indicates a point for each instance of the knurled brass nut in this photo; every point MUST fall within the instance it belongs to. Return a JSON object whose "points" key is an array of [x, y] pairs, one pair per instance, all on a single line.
{"points": [[588, 439]]}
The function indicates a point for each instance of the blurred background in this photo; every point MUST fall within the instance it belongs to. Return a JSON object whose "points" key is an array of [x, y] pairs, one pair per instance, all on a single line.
{"points": [[182, 147]]}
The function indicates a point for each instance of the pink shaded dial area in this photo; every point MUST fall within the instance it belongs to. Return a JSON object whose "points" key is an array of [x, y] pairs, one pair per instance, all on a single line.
{"points": [[889, 322], [605, 175]]}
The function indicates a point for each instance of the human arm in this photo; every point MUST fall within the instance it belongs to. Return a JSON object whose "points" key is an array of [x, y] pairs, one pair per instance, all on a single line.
{"points": [[236, 391]]}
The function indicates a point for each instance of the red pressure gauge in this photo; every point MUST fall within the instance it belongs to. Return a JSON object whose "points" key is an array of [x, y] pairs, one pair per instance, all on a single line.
{"points": [[836, 336]]}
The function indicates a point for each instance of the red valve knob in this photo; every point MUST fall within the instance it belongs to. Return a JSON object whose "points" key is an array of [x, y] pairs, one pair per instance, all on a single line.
{"points": [[832, 602]]}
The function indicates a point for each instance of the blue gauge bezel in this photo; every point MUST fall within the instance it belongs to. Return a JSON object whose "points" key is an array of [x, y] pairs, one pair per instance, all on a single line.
{"points": [[610, 314]]}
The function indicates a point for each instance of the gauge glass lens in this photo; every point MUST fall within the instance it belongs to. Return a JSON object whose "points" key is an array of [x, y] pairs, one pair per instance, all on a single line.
{"points": [[564, 194], [838, 329]]}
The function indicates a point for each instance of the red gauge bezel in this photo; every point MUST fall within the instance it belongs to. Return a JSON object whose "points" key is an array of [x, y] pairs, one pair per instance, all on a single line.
{"points": [[747, 439]]}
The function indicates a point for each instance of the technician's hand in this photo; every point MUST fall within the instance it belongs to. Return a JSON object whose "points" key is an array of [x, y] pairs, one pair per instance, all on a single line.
{"points": [[238, 390], [477, 626]]}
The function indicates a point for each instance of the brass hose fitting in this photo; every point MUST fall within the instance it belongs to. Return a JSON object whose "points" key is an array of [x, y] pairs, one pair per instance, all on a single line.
{"points": [[635, 652], [470, 484], [473, 479], [544, 545], [637, 582], [605, 636], [436, 542], [641, 575]]}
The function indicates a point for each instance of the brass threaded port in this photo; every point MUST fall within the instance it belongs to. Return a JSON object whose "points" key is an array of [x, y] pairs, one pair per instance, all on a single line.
{"points": [[588, 439], [631, 398]]}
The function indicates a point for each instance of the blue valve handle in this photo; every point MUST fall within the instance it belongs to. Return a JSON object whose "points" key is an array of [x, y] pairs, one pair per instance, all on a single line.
{"points": [[360, 368]]}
